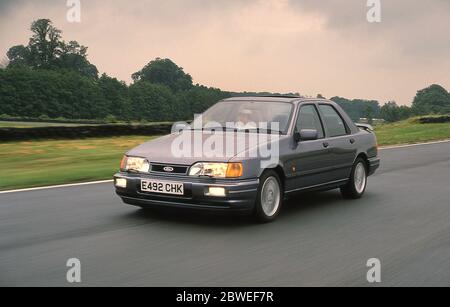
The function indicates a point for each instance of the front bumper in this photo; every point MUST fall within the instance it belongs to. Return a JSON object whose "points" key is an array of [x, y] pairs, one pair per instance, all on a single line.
{"points": [[240, 194]]}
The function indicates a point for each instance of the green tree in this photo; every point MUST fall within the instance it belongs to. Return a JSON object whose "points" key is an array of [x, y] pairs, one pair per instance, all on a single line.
{"points": [[19, 56], [433, 99], [391, 112], [115, 93], [152, 102], [369, 114], [74, 57], [46, 50], [358, 108], [165, 72], [197, 99], [45, 44], [43, 48], [26, 92]]}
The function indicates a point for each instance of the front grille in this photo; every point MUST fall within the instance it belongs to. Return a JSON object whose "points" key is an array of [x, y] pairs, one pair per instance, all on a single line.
{"points": [[169, 169]]}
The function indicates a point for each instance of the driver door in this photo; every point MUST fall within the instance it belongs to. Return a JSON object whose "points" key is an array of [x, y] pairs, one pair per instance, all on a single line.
{"points": [[308, 163]]}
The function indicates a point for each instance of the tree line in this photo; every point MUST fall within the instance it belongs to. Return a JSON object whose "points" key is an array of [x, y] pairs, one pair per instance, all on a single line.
{"points": [[52, 78]]}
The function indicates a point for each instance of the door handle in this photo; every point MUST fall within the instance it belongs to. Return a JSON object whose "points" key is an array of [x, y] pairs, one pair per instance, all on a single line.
{"points": [[352, 141], [326, 144]]}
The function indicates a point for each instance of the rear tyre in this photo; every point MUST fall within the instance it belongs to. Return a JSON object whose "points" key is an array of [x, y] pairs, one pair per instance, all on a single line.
{"points": [[357, 184], [269, 198]]}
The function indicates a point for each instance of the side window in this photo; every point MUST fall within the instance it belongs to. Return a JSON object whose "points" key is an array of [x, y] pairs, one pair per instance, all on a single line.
{"points": [[333, 121], [308, 118]]}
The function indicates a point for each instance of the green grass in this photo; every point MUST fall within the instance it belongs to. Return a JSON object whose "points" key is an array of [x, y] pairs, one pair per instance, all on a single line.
{"points": [[410, 131], [40, 163]]}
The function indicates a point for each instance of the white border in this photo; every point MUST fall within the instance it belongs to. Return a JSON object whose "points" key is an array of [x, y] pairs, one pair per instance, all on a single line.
{"points": [[413, 145], [110, 181], [58, 186]]}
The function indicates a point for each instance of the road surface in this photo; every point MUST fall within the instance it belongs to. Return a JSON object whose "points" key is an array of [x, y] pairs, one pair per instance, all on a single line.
{"points": [[318, 240]]}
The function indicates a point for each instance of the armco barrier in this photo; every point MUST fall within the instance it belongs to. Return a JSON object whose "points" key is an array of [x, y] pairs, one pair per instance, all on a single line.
{"points": [[434, 119], [76, 132]]}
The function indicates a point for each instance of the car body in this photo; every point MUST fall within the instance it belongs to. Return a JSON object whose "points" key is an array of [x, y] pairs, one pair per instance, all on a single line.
{"points": [[320, 148]]}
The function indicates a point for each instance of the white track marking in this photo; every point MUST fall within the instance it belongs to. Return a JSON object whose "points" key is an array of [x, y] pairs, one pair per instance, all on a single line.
{"points": [[110, 181], [413, 145], [57, 186]]}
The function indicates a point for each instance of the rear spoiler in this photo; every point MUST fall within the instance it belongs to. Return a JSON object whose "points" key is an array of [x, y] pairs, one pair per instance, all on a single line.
{"points": [[366, 127]]}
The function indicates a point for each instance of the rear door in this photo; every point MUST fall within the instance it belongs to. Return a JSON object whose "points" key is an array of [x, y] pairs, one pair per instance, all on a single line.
{"points": [[308, 161], [339, 141]]}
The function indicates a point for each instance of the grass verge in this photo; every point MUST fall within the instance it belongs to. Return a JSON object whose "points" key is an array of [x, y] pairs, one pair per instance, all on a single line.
{"points": [[410, 132], [41, 163]]}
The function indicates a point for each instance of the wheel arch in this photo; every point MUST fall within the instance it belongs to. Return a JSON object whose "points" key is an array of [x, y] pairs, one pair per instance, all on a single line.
{"points": [[280, 172], [363, 156]]}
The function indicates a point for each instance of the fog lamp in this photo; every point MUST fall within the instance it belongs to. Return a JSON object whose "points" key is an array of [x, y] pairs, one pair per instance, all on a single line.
{"points": [[216, 192], [121, 183]]}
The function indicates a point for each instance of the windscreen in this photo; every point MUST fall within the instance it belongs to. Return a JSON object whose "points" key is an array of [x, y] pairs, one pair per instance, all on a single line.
{"points": [[248, 115]]}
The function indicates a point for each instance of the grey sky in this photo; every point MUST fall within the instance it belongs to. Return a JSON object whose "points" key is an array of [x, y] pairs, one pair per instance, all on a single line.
{"points": [[306, 46]]}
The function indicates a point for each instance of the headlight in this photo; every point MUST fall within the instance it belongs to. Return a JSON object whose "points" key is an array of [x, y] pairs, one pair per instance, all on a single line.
{"points": [[134, 164], [217, 170]]}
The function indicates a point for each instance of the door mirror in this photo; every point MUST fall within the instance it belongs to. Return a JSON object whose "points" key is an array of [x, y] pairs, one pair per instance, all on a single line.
{"points": [[306, 135]]}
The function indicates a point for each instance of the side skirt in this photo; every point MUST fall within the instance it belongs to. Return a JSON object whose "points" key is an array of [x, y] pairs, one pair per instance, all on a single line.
{"points": [[321, 187]]}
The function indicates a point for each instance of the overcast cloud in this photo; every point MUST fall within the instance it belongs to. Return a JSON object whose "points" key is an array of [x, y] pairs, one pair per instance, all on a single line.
{"points": [[305, 46]]}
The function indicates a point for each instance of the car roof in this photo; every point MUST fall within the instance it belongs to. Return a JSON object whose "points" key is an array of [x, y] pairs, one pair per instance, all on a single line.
{"points": [[287, 99]]}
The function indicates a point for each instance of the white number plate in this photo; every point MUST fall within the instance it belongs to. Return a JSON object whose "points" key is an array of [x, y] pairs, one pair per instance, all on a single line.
{"points": [[163, 187]]}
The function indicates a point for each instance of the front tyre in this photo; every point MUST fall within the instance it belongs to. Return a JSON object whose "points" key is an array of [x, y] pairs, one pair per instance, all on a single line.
{"points": [[269, 198], [357, 184]]}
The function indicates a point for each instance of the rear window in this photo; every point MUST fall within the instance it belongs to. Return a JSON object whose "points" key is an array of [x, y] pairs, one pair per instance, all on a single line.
{"points": [[334, 124]]}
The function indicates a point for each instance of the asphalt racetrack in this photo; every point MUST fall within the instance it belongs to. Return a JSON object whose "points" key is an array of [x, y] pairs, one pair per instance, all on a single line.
{"points": [[318, 240]]}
